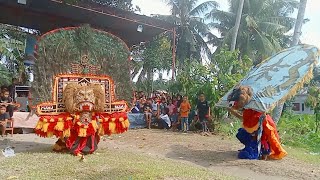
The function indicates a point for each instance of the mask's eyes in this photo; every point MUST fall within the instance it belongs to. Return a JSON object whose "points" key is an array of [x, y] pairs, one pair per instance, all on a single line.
{"points": [[231, 103]]}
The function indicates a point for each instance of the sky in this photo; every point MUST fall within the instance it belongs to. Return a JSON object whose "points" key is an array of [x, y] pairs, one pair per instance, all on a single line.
{"points": [[310, 30]]}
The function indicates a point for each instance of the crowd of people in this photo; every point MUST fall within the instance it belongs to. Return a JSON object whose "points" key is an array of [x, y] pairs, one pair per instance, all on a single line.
{"points": [[172, 112]]}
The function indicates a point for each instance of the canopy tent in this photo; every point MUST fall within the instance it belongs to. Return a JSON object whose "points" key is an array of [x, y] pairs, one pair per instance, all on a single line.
{"points": [[46, 15]]}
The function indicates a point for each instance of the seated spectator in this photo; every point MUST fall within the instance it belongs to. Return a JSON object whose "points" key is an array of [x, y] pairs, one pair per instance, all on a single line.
{"points": [[4, 116], [136, 107], [162, 106], [165, 120], [6, 100]]}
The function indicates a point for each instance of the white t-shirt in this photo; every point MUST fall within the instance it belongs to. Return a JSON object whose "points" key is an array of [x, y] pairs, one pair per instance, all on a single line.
{"points": [[166, 119]]}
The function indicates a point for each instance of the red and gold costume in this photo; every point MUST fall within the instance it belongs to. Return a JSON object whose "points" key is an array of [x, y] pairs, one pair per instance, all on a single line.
{"points": [[258, 133], [270, 139], [82, 110]]}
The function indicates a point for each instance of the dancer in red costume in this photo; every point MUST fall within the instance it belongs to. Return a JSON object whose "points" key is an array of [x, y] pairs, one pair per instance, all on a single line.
{"points": [[82, 110], [270, 141]]}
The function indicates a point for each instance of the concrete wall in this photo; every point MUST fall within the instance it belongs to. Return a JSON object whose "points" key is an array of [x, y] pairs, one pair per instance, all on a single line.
{"points": [[299, 106]]}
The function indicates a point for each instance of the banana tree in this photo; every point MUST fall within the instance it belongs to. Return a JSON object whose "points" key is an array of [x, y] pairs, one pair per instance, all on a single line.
{"points": [[12, 52]]}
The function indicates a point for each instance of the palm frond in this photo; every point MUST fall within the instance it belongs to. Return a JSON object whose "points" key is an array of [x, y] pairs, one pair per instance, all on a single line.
{"points": [[203, 7], [271, 28], [169, 18]]}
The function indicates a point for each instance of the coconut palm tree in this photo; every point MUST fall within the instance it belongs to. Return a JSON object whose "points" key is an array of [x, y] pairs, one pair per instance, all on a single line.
{"points": [[236, 26], [299, 22], [295, 40], [263, 25], [192, 31]]}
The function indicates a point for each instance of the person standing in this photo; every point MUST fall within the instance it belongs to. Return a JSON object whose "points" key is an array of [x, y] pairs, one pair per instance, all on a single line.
{"points": [[147, 109], [203, 112], [185, 108]]}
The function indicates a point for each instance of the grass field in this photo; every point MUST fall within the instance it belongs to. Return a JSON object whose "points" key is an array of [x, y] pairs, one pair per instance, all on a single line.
{"points": [[105, 164]]}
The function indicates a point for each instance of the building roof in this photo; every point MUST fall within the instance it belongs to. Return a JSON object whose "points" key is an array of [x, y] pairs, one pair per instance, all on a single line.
{"points": [[46, 15]]}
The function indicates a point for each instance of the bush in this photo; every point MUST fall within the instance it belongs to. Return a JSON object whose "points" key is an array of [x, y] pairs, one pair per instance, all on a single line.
{"points": [[299, 131]]}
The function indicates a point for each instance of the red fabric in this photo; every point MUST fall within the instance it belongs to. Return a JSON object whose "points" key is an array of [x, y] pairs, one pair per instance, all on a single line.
{"points": [[270, 137], [82, 142], [251, 117], [91, 133]]}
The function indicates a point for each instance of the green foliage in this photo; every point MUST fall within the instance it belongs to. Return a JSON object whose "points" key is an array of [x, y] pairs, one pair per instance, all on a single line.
{"points": [[5, 76], [121, 4], [313, 101], [63, 47], [215, 79], [229, 129], [12, 48], [299, 131], [313, 98], [192, 31], [156, 56], [263, 27]]}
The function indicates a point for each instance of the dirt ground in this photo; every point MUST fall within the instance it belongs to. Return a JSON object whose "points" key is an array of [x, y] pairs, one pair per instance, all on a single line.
{"points": [[214, 153]]}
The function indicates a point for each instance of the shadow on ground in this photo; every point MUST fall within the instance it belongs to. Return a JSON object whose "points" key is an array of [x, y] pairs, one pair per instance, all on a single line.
{"points": [[204, 158], [25, 146]]}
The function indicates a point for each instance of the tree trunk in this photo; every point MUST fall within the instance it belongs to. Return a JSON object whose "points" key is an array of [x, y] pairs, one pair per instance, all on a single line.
{"points": [[236, 26], [296, 36], [299, 22]]}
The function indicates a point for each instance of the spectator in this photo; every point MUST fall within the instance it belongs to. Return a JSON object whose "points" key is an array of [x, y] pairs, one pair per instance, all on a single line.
{"points": [[179, 100], [147, 109], [163, 106], [164, 119], [4, 116], [203, 112], [136, 108], [155, 107], [172, 112], [6, 100], [185, 108]]}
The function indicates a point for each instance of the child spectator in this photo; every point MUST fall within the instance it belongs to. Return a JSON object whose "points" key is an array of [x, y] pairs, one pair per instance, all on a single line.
{"points": [[155, 107], [172, 111], [203, 111], [5, 100], [147, 109], [185, 108], [4, 116]]}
